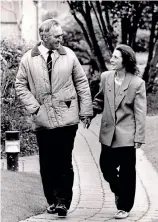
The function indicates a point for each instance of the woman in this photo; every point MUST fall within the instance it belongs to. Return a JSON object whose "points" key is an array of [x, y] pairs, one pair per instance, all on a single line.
{"points": [[122, 99]]}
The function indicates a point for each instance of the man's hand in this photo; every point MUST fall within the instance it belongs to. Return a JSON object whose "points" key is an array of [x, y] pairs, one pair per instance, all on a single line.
{"points": [[86, 121], [137, 145]]}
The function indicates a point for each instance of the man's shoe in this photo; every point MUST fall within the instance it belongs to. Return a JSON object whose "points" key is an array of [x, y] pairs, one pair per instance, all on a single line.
{"points": [[51, 209], [61, 210], [121, 214]]}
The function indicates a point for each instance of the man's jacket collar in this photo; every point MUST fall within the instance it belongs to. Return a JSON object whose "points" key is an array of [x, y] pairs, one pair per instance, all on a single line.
{"points": [[35, 51]]}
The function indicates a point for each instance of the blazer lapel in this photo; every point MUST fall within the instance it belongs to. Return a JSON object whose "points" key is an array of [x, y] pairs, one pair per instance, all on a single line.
{"points": [[110, 93], [122, 90]]}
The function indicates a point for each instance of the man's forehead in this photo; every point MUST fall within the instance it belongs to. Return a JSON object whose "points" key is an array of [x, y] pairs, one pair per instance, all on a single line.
{"points": [[56, 30]]}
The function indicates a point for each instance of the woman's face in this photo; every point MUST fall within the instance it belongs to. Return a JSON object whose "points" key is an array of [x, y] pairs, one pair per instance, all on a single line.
{"points": [[116, 60]]}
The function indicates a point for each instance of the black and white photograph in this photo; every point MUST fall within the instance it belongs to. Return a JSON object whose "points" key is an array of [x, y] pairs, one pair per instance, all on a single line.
{"points": [[79, 111]]}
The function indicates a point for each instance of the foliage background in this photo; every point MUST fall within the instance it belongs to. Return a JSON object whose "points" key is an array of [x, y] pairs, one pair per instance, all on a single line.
{"points": [[14, 115]]}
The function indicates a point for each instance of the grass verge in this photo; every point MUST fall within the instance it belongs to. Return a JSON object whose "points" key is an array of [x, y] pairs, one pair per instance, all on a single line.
{"points": [[151, 146], [21, 196]]}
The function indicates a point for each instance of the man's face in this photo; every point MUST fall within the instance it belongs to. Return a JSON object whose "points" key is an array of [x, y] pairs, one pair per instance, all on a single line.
{"points": [[116, 60], [54, 38]]}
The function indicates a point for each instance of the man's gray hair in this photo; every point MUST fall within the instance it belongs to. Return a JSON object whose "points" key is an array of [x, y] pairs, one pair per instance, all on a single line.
{"points": [[47, 25]]}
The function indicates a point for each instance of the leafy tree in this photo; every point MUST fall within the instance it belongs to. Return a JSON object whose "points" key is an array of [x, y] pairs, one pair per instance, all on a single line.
{"points": [[134, 14], [128, 15], [153, 38], [85, 8]]}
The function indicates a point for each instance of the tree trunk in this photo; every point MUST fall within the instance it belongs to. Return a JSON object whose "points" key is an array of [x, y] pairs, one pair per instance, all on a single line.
{"points": [[107, 34], [136, 17], [151, 47], [89, 34], [153, 71], [124, 24], [96, 47], [99, 24], [133, 32]]}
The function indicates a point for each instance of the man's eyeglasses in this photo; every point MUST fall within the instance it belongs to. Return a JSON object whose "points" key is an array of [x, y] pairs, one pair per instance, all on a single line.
{"points": [[58, 36]]}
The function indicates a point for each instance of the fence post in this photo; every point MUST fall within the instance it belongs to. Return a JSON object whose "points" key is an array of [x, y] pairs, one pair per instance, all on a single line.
{"points": [[12, 148]]}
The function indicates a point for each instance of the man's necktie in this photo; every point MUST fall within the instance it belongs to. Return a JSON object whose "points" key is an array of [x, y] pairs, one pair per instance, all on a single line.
{"points": [[49, 64]]}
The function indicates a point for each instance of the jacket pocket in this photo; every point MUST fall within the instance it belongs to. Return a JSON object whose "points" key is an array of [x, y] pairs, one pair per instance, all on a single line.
{"points": [[41, 119], [69, 111], [68, 103]]}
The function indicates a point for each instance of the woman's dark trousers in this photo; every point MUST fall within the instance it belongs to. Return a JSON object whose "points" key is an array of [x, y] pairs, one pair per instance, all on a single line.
{"points": [[55, 156], [118, 168]]}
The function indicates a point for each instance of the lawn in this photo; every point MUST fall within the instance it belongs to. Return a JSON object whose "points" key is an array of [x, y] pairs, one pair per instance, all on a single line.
{"points": [[151, 146], [21, 196]]}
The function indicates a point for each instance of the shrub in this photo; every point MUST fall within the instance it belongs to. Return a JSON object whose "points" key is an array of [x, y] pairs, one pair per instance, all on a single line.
{"points": [[13, 114], [142, 40], [74, 39], [152, 103]]}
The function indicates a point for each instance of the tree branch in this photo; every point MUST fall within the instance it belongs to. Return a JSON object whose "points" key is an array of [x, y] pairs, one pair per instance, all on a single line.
{"points": [[100, 26], [136, 17], [106, 32], [81, 25], [97, 51], [151, 46]]}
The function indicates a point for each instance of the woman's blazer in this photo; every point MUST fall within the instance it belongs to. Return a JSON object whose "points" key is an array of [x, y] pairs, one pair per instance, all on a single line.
{"points": [[124, 113]]}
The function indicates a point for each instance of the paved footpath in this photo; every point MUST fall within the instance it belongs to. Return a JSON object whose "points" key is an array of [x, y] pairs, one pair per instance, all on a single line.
{"points": [[92, 200]]}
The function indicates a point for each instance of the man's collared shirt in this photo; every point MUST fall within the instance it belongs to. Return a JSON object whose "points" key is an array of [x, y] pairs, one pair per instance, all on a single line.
{"points": [[44, 52]]}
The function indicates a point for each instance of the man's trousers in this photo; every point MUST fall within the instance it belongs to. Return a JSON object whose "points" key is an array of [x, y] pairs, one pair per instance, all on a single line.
{"points": [[55, 156], [118, 168]]}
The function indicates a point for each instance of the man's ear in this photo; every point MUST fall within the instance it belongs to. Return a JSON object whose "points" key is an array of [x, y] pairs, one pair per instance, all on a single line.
{"points": [[44, 37]]}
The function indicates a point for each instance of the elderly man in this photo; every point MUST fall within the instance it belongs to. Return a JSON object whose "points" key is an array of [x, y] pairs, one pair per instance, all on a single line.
{"points": [[54, 89]]}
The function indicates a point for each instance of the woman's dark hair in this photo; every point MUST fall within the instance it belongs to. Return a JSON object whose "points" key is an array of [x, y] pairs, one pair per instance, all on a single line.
{"points": [[129, 58]]}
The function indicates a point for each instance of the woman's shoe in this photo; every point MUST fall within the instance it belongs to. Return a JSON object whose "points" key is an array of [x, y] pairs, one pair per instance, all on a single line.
{"points": [[121, 214]]}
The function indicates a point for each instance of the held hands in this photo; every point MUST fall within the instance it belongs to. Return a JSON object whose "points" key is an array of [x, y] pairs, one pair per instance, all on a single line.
{"points": [[137, 145], [86, 121]]}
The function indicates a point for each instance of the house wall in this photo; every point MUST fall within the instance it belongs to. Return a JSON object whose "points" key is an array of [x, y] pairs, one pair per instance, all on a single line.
{"points": [[29, 21], [26, 10], [10, 14]]}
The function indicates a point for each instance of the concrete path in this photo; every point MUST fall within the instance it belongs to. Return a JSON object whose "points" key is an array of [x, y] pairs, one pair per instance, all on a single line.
{"points": [[92, 200]]}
